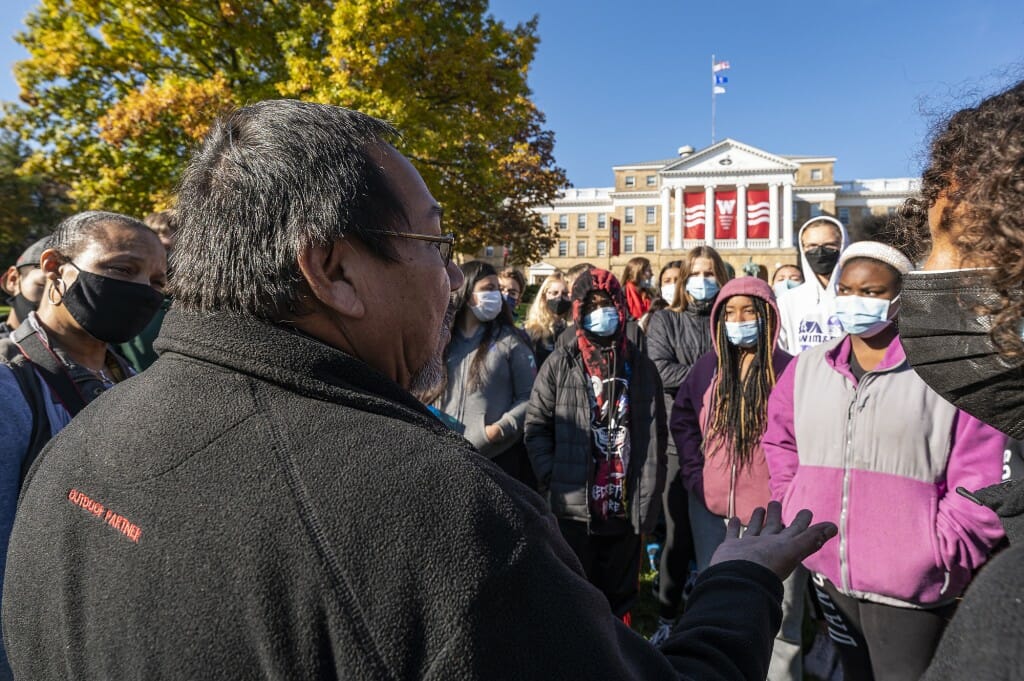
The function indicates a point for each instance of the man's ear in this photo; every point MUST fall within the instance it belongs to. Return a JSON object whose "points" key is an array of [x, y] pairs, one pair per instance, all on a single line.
{"points": [[9, 281], [331, 275]]}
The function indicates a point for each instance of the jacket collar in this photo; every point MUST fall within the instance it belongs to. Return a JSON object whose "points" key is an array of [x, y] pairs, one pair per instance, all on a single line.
{"points": [[838, 357], [292, 360]]}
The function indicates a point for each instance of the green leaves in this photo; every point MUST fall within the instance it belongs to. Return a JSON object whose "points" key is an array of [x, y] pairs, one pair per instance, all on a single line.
{"points": [[115, 94]]}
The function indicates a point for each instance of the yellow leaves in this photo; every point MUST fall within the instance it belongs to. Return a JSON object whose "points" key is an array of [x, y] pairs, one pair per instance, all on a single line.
{"points": [[191, 106]]}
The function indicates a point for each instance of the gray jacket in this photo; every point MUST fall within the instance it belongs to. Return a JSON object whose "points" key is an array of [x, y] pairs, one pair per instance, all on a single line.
{"points": [[558, 437], [505, 383]]}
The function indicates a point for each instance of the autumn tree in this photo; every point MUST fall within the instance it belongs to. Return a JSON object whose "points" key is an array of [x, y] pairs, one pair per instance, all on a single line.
{"points": [[32, 205], [116, 93]]}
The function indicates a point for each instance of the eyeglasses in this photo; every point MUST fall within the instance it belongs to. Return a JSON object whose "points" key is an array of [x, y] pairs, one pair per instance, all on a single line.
{"points": [[444, 243]]}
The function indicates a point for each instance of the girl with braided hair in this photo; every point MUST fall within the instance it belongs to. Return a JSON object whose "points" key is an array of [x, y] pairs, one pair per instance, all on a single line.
{"points": [[718, 418]]}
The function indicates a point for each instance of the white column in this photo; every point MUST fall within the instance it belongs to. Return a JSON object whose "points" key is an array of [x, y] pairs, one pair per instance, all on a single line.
{"points": [[664, 218], [709, 215], [741, 215], [773, 215], [787, 215], [677, 231]]}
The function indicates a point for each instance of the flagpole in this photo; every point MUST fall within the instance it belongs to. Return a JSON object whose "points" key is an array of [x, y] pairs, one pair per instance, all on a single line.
{"points": [[712, 99]]}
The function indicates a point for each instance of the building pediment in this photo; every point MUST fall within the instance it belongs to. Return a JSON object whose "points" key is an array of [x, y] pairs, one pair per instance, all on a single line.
{"points": [[730, 157]]}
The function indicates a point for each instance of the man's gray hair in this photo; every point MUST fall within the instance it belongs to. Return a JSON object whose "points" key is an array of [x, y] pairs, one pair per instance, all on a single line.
{"points": [[269, 180]]}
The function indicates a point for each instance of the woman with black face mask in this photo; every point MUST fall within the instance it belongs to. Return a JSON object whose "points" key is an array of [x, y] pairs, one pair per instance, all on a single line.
{"points": [[104, 277], [547, 316], [961, 325]]}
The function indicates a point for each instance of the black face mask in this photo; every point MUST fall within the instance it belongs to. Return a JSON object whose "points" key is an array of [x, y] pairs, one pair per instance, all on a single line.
{"points": [[111, 310], [949, 347], [559, 306], [22, 306], [822, 260]]}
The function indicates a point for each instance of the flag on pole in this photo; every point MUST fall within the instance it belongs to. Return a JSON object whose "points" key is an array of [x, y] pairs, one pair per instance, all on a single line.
{"points": [[719, 90], [720, 66], [721, 80]]}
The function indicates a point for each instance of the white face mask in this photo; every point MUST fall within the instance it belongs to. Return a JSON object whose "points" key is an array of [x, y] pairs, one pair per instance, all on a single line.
{"points": [[668, 293], [488, 305], [863, 316]]}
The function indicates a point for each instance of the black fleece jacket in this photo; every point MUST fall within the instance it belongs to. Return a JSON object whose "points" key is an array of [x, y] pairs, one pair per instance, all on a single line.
{"points": [[983, 642], [258, 505]]}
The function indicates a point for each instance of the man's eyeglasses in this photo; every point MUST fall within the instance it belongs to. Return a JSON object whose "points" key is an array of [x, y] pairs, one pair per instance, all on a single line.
{"points": [[444, 243]]}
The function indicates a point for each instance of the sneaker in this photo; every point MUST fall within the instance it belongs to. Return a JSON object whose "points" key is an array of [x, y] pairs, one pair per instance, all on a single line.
{"points": [[662, 632]]}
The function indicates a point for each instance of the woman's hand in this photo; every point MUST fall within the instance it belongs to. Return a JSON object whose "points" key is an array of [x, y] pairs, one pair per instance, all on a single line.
{"points": [[493, 432]]}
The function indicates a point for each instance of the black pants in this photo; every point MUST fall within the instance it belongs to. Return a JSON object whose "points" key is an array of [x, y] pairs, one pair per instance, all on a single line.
{"points": [[516, 463], [611, 562], [879, 642], [677, 551]]}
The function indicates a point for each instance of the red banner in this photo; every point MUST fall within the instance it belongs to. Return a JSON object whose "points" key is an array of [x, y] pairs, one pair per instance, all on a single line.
{"points": [[693, 225], [758, 214], [615, 235], [725, 214]]}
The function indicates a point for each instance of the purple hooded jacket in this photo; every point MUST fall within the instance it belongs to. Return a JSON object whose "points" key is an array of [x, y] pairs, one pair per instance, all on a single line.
{"points": [[711, 475]]}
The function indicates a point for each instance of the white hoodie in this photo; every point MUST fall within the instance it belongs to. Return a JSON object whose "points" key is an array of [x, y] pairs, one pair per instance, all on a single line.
{"points": [[808, 312]]}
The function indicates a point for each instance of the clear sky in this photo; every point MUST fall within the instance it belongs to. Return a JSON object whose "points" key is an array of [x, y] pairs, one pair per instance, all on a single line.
{"points": [[859, 79]]}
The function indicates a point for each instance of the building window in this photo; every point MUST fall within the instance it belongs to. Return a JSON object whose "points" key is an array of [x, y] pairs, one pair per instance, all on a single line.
{"points": [[581, 249], [489, 251], [601, 221], [630, 215], [563, 248], [652, 180], [815, 210], [627, 243], [649, 243], [563, 222], [602, 247], [844, 216], [544, 220], [816, 174], [581, 221], [650, 215], [630, 180], [892, 210]]}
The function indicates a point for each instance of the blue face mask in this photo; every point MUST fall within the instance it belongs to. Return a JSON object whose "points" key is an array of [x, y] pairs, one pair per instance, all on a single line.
{"points": [[860, 315], [702, 288], [743, 334], [603, 321], [784, 285]]}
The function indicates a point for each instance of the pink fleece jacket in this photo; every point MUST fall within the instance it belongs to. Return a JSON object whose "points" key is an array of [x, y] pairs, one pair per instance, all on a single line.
{"points": [[882, 458]]}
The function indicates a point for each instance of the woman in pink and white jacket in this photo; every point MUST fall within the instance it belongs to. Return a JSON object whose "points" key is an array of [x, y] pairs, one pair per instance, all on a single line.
{"points": [[854, 435]]}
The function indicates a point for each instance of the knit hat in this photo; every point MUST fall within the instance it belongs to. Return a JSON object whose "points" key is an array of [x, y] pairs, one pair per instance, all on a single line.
{"points": [[31, 255], [877, 251]]}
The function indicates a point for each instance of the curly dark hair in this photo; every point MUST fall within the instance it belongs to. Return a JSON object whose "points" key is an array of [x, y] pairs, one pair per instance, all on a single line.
{"points": [[976, 163]]}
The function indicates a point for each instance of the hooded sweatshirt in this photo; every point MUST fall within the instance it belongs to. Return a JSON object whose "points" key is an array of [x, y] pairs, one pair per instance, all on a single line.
{"points": [[711, 473], [808, 312]]}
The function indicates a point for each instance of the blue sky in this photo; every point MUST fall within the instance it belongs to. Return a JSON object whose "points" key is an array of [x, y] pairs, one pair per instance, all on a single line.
{"points": [[860, 80]]}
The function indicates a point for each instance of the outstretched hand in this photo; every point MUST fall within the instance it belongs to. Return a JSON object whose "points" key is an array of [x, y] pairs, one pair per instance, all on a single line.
{"points": [[769, 543]]}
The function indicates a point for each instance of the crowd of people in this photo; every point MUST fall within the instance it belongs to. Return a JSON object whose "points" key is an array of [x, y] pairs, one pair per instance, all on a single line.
{"points": [[356, 458]]}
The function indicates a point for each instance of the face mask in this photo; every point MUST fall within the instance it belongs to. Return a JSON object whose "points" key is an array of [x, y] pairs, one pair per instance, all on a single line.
{"points": [[948, 346], [862, 316], [647, 283], [111, 310], [22, 306], [559, 306], [668, 293], [603, 321], [743, 334], [488, 305], [822, 260], [702, 288], [511, 301], [784, 285]]}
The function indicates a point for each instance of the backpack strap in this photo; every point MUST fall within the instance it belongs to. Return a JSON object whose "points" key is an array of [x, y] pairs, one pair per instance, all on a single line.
{"points": [[27, 380], [50, 367]]}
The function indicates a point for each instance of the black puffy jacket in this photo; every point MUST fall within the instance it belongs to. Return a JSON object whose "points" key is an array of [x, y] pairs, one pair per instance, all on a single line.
{"points": [[558, 437]]}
